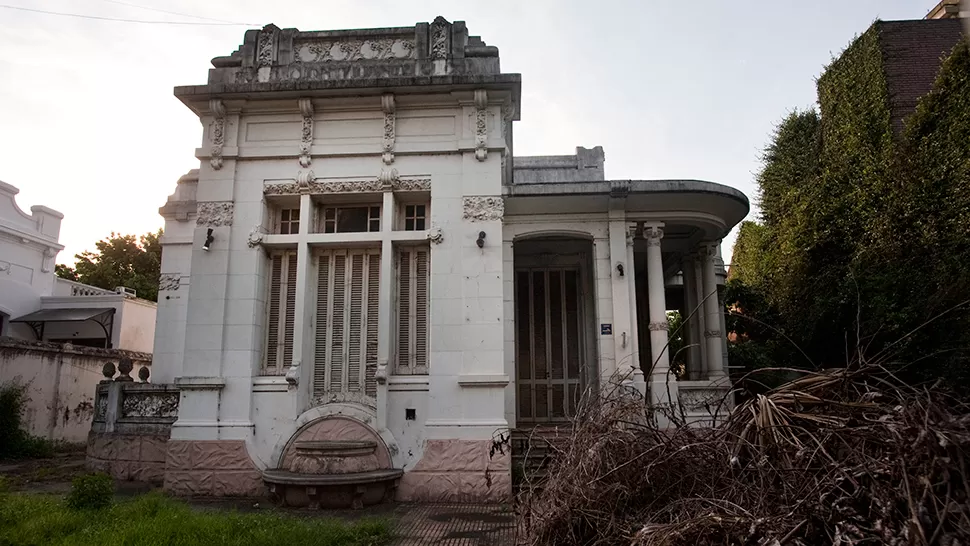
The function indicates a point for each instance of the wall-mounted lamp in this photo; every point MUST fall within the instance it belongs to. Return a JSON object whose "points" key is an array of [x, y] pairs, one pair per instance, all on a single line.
{"points": [[481, 239], [208, 240], [619, 269]]}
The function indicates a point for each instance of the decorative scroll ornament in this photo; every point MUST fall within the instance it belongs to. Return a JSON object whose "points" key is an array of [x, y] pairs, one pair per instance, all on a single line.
{"points": [[482, 208], [508, 112], [659, 326], [304, 181], [48, 261], [390, 127], [256, 236], [293, 374], [306, 137], [218, 132], [712, 333], [412, 184], [439, 38], [481, 124], [214, 213], [435, 235], [169, 281], [388, 178], [317, 50]]}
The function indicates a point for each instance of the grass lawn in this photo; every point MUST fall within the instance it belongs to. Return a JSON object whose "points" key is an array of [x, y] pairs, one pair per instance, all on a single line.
{"points": [[155, 520]]}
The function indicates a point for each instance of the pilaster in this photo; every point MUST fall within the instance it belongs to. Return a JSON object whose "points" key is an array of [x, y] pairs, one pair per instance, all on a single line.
{"points": [[712, 316]]}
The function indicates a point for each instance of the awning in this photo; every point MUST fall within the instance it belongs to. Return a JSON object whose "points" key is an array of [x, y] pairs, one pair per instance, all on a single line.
{"points": [[63, 315], [103, 316]]}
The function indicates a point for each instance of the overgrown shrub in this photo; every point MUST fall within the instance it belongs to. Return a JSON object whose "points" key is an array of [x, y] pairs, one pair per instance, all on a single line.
{"points": [[15, 441], [91, 492]]}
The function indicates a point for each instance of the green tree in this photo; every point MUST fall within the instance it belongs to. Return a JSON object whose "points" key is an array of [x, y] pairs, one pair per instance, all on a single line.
{"points": [[120, 260]]}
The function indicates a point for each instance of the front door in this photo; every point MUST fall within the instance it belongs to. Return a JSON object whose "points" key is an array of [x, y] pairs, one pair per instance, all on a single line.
{"points": [[549, 340]]}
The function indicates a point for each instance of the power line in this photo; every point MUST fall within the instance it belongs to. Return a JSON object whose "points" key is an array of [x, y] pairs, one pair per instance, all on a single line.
{"points": [[78, 15], [176, 13]]}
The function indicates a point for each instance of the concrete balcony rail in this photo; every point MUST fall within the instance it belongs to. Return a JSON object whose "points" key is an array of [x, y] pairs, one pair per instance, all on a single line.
{"points": [[131, 427], [64, 287]]}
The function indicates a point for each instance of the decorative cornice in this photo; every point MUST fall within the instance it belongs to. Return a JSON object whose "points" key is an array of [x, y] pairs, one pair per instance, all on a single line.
{"points": [[481, 124], [214, 213], [306, 137], [480, 208], [390, 127], [372, 185], [659, 326], [218, 110]]}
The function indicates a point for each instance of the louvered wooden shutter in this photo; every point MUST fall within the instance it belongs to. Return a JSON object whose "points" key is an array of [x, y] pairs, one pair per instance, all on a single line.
{"points": [[345, 342], [281, 316], [412, 312]]}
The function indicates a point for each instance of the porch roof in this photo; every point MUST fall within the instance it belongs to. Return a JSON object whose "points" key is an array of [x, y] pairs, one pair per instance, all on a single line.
{"points": [[716, 206]]}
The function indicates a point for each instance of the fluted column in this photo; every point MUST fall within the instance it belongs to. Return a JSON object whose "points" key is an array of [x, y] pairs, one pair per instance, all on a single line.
{"points": [[662, 386], [712, 313]]}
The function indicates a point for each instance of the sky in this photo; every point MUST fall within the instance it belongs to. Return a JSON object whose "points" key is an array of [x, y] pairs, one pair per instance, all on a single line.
{"points": [[670, 89]]}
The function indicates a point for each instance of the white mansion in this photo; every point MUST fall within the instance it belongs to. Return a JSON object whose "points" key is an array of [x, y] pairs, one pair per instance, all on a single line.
{"points": [[362, 286]]}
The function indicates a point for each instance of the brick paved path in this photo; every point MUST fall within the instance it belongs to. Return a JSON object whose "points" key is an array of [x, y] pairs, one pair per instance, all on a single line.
{"points": [[453, 525]]}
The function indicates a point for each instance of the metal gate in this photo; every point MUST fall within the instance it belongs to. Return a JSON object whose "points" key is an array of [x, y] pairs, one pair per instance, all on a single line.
{"points": [[549, 350]]}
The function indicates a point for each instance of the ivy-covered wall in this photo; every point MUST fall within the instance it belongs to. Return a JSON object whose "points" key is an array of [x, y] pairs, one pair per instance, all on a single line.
{"points": [[865, 233]]}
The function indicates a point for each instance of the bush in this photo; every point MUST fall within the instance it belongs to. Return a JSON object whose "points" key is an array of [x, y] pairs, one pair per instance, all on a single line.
{"points": [[91, 491], [15, 442]]}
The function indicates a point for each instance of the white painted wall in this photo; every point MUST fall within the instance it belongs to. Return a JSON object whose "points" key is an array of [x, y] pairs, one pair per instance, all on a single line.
{"points": [[28, 245]]}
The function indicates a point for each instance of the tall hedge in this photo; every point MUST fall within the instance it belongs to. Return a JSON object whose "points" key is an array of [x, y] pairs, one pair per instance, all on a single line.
{"points": [[865, 235]]}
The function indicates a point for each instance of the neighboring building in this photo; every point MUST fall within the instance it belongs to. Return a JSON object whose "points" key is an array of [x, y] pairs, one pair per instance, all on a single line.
{"points": [[361, 281], [40, 314], [37, 305], [912, 53], [949, 9]]}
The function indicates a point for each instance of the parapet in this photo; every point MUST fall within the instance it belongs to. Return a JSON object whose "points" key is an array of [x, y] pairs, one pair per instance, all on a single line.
{"points": [[586, 166]]}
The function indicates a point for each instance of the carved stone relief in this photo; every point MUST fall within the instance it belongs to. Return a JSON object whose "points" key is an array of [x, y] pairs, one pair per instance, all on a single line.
{"points": [[481, 124], [480, 208], [306, 137], [214, 213], [101, 406], [350, 186], [264, 52], [390, 122], [439, 38], [169, 281], [150, 404], [256, 236], [218, 133], [701, 399], [659, 326], [321, 51]]}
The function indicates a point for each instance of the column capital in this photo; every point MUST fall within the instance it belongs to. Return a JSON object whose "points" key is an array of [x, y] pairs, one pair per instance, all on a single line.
{"points": [[653, 233], [707, 250]]}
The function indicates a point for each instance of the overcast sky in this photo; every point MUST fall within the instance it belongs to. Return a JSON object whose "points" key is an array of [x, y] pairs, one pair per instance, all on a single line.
{"points": [[670, 89]]}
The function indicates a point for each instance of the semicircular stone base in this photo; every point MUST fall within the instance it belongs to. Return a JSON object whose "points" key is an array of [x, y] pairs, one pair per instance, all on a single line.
{"points": [[334, 462]]}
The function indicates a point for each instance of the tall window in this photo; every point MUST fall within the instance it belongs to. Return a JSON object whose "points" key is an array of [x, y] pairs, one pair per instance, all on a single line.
{"points": [[345, 342], [282, 297], [412, 310]]}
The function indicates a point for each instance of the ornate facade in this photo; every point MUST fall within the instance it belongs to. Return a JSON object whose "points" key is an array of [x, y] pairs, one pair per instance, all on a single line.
{"points": [[382, 319]]}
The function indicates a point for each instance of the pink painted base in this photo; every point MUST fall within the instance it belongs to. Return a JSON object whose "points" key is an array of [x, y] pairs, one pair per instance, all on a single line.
{"points": [[134, 457], [212, 468], [458, 471]]}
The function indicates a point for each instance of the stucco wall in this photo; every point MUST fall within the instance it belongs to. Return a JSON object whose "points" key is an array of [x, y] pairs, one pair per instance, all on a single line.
{"points": [[28, 246], [137, 326], [61, 382]]}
